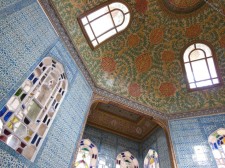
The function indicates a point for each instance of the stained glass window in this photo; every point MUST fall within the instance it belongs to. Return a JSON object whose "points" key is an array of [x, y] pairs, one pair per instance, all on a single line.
{"points": [[126, 160], [27, 116], [200, 67], [217, 144], [104, 21], [151, 159], [87, 155]]}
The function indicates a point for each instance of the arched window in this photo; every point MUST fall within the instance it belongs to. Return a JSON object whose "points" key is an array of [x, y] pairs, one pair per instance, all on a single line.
{"points": [[200, 67], [151, 159], [104, 21], [217, 144], [126, 160], [87, 155], [28, 115]]}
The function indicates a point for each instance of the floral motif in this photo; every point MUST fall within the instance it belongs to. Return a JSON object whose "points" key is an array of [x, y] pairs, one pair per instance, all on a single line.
{"points": [[134, 90], [133, 40], [108, 64], [156, 36], [168, 56], [193, 31], [141, 6], [171, 33], [167, 89], [222, 41], [143, 63]]}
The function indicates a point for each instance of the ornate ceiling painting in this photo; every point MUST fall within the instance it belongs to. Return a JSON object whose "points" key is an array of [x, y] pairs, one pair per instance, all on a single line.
{"points": [[143, 62], [115, 119]]}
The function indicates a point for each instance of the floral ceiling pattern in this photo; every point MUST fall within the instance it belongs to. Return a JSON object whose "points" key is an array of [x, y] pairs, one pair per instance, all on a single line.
{"points": [[143, 63]]}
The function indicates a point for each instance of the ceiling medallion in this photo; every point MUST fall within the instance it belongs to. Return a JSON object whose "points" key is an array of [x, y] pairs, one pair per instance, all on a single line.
{"points": [[183, 6]]}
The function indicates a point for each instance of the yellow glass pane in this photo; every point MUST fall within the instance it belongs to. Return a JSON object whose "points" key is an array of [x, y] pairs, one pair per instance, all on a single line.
{"points": [[152, 161], [14, 120], [27, 138], [9, 125], [30, 132]]}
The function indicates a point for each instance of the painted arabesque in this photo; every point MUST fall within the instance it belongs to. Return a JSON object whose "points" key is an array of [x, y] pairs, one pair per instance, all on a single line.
{"points": [[143, 63]]}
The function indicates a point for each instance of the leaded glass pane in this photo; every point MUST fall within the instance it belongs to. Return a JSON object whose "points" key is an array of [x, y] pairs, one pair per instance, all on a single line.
{"points": [[27, 116]]}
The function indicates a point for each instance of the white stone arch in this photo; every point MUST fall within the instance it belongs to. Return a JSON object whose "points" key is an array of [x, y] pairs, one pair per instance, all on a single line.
{"points": [[125, 160], [87, 155], [27, 116], [151, 159], [217, 143]]}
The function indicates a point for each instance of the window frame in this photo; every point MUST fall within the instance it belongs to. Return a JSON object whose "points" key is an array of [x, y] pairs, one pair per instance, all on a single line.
{"points": [[147, 158], [92, 10], [94, 152], [121, 156], [215, 60], [36, 81], [219, 146]]}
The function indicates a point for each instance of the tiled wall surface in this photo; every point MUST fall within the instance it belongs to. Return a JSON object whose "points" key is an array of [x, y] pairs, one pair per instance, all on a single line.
{"points": [[26, 37], [157, 142], [110, 145], [190, 140]]}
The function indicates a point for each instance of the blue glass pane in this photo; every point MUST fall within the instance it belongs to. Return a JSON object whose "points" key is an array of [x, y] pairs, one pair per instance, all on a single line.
{"points": [[3, 110], [35, 80], [8, 115], [34, 139], [31, 76], [215, 145], [218, 142], [38, 141]]}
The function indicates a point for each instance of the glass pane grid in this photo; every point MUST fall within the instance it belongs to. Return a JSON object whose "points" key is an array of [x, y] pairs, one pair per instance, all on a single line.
{"points": [[199, 66], [24, 121], [105, 22]]}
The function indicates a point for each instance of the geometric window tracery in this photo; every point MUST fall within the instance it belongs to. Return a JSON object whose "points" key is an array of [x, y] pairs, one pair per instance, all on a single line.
{"points": [[217, 143], [151, 159], [87, 155], [27, 116], [200, 66], [105, 21], [126, 160]]}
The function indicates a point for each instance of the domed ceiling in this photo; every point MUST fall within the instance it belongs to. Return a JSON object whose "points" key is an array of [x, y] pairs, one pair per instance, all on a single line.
{"points": [[143, 62]]}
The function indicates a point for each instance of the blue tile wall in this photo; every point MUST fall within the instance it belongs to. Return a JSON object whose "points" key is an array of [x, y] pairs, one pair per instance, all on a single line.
{"points": [[26, 37], [189, 134], [157, 141], [110, 145]]}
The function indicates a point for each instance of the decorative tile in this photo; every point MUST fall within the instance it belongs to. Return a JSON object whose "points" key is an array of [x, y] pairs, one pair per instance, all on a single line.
{"points": [[108, 150], [26, 37], [191, 135]]}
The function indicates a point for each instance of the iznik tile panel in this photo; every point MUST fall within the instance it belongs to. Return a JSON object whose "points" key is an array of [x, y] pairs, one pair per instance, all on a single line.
{"points": [[190, 140]]}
